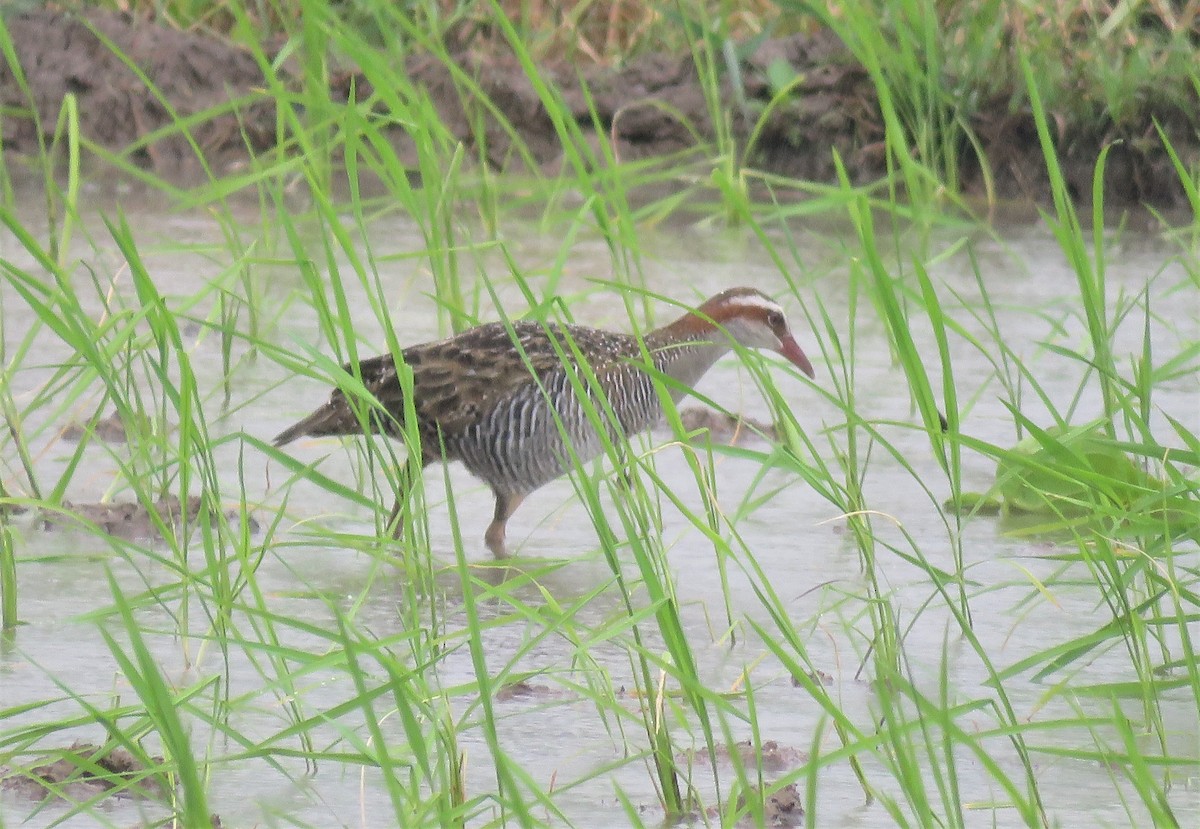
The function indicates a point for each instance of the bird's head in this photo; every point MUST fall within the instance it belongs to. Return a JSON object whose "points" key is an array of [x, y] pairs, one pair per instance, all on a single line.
{"points": [[754, 320]]}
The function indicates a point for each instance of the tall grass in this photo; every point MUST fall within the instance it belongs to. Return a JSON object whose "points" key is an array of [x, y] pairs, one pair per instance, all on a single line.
{"points": [[393, 676]]}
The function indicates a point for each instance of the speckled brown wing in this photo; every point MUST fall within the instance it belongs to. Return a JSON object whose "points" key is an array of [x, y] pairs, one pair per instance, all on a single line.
{"points": [[457, 382]]}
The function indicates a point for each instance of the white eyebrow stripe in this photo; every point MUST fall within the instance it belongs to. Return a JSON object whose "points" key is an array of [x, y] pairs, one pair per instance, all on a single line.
{"points": [[754, 301]]}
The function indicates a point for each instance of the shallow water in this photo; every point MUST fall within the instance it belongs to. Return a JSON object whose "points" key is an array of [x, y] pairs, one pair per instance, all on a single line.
{"points": [[800, 541]]}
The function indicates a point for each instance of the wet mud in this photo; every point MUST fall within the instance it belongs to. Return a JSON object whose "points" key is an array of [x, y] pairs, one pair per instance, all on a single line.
{"points": [[129, 520], [711, 426], [818, 677], [783, 807], [88, 773], [772, 758], [650, 106], [527, 691], [109, 429], [84, 772], [65, 54]]}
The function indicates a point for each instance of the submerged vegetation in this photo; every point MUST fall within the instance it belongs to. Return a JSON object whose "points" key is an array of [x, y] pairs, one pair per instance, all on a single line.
{"points": [[917, 666]]}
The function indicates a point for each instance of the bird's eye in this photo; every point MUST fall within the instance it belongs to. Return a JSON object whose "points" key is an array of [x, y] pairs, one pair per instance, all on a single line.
{"points": [[775, 319]]}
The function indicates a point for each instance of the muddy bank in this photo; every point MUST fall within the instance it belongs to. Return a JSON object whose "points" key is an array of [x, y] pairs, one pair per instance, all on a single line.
{"points": [[131, 520], [63, 54], [86, 772], [651, 107]]}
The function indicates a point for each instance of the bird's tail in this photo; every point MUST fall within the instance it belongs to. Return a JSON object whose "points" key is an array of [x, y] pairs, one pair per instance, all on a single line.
{"points": [[334, 418]]}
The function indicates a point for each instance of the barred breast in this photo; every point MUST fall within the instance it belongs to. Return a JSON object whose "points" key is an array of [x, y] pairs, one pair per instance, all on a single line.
{"points": [[528, 437]]}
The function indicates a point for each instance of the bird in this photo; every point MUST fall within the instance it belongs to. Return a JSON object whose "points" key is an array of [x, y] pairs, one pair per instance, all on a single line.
{"points": [[505, 398]]}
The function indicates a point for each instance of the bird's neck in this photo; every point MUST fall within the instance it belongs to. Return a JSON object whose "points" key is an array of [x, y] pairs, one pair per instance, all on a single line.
{"points": [[686, 349]]}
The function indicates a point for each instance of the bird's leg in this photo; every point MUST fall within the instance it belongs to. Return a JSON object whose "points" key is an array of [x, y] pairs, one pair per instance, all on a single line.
{"points": [[623, 468], [395, 523], [506, 505], [408, 478]]}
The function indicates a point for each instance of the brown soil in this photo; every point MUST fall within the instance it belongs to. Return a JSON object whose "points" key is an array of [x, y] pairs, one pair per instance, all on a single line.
{"points": [[710, 426], [525, 690], [61, 54], [109, 429], [648, 107], [772, 759], [780, 808], [818, 677], [84, 772], [129, 520]]}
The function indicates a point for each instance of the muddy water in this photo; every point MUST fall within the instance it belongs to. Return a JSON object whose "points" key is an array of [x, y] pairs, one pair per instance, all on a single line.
{"points": [[800, 542]]}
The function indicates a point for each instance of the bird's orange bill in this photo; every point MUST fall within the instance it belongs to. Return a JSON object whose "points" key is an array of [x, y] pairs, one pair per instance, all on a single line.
{"points": [[788, 348]]}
